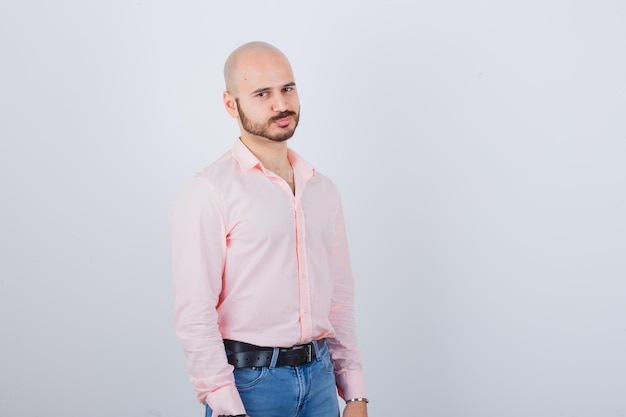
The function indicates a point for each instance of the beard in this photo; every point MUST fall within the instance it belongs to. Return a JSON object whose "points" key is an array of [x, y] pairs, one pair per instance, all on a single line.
{"points": [[262, 129]]}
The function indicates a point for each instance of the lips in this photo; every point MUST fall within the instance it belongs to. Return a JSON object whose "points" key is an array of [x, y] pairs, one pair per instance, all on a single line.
{"points": [[285, 121]]}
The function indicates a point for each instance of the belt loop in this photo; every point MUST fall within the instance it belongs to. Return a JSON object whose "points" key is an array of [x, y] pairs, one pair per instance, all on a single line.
{"points": [[274, 358], [317, 350]]}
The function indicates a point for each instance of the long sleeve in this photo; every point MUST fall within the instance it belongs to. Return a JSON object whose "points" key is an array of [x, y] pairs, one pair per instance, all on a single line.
{"points": [[199, 250], [343, 347]]}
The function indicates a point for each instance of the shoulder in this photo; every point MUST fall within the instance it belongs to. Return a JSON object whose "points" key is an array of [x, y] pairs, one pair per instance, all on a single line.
{"points": [[313, 176], [218, 171], [204, 187], [321, 188], [325, 181]]}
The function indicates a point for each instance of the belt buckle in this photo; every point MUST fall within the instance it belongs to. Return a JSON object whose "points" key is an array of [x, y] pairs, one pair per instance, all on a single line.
{"points": [[309, 353]]}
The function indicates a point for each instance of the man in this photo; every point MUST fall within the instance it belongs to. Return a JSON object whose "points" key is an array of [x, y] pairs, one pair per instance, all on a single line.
{"points": [[264, 290]]}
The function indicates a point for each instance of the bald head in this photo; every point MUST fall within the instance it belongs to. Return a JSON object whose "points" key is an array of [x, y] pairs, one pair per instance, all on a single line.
{"points": [[261, 93], [249, 58]]}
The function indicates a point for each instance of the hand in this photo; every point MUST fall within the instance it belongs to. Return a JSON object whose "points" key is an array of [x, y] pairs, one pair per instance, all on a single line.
{"points": [[355, 409]]}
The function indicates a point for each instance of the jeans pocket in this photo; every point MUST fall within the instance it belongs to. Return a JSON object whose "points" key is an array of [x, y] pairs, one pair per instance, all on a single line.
{"points": [[328, 364], [249, 377]]}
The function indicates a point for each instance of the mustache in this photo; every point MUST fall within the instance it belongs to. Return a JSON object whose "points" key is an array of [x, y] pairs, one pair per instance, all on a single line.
{"points": [[282, 115]]}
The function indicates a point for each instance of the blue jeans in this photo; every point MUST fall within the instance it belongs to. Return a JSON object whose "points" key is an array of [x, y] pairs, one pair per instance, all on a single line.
{"points": [[289, 391]]}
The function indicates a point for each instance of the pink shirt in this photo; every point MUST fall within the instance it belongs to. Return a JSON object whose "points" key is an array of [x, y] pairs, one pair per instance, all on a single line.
{"points": [[254, 263]]}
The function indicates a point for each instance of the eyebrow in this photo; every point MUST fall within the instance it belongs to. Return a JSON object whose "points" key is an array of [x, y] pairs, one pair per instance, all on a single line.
{"points": [[262, 89]]}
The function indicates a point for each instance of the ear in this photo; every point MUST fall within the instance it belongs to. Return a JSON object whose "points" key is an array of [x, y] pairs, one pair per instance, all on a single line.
{"points": [[230, 104]]}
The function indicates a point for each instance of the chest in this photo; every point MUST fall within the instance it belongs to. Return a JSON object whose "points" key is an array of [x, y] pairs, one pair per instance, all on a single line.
{"points": [[267, 211]]}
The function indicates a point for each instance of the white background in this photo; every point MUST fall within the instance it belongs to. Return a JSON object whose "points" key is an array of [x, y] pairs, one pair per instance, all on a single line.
{"points": [[480, 149]]}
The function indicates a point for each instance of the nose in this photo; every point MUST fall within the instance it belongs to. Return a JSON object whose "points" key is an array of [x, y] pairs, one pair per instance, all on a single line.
{"points": [[279, 104]]}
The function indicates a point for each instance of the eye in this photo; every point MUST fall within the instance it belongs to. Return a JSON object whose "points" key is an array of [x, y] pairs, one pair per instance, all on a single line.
{"points": [[287, 89], [262, 94]]}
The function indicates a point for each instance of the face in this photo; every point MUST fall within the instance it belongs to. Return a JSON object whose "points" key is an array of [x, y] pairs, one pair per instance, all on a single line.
{"points": [[265, 99]]}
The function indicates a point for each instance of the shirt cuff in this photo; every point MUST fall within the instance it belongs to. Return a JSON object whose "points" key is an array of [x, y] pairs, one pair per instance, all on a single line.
{"points": [[351, 384], [225, 400]]}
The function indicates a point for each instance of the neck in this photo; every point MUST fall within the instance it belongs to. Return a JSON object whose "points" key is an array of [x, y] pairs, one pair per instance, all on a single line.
{"points": [[273, 155]]}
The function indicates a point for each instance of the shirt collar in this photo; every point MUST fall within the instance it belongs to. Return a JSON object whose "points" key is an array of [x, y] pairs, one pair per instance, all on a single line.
{"points": [[247, 160], [242, 154], [300, 165]]}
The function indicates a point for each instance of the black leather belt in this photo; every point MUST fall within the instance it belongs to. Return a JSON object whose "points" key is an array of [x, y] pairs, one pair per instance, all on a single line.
{"points": [[245, 355]]}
